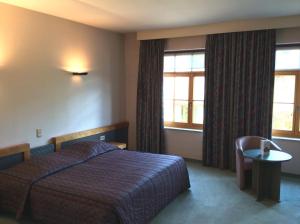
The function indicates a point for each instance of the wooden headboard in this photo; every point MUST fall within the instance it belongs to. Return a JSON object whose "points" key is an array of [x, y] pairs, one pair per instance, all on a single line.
{"points": [[57, 141], [16, 149]]}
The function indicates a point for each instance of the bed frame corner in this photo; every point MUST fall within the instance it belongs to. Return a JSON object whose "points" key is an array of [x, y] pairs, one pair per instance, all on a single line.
{"points": [[57, 141], [16, 149]]}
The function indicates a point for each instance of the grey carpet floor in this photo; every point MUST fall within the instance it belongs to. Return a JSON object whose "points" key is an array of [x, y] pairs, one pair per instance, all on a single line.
{"points": [[214, 198]]}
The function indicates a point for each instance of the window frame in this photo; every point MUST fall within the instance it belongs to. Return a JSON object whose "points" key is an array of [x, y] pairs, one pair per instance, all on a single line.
{"points": [[191, 75], [295, 132]]}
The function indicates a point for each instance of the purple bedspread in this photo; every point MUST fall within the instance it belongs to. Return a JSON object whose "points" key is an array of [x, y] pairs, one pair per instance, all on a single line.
{"points": [[93, 183]]}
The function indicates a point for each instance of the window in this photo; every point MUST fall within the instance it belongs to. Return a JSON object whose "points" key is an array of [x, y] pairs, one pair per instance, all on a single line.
{"points": [[286, 103], [184, 90]]}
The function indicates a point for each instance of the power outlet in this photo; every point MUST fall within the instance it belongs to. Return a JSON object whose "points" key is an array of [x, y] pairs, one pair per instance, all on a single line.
{"points": [[102, 138], [39, 132]]}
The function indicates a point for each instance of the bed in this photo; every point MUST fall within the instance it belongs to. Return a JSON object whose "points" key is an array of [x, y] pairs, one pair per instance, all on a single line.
{"points": [[93, 182]]}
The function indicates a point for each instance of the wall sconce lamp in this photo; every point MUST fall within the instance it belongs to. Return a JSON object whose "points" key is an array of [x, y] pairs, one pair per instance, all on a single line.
{"points": [[79, 73]]}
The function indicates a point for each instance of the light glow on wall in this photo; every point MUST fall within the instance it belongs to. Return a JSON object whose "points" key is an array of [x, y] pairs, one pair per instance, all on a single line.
{"points": [[76, 79], [6, 46], [3, 54], [75, 62], [1, 58]]}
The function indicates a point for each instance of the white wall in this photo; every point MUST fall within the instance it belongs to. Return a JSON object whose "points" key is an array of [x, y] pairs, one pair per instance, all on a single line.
{"points": [[36, 91], [288, 36], [282, 22], [185, 143], [292, 147], [186, 43], [131, 72]]}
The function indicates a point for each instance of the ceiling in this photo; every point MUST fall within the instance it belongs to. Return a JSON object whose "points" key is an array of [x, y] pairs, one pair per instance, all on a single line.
{"points": [[136, 15]]}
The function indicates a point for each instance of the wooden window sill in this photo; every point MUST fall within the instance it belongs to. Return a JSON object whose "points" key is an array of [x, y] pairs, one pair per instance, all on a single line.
{"points": [[184, 129], [286, 138]]}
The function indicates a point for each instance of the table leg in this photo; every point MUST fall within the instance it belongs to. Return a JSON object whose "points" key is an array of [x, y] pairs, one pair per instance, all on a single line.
{"points": [[256, 175], [275, 172], [266, 180]]}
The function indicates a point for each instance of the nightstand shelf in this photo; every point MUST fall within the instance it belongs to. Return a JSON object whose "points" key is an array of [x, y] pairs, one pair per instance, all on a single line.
{"points": [[120, 145]]}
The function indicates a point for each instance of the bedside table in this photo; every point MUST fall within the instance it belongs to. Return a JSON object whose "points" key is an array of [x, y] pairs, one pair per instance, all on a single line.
{"points": [[120, 145]]}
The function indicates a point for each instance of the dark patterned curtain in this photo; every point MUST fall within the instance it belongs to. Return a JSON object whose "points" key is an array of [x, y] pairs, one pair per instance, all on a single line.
{"points": [[149, 97], [239, 82]]}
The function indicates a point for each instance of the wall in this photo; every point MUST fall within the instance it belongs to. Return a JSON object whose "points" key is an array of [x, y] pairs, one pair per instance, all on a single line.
{"points": [[186, 43], [293, 147], [131, 72], [37, 91], [281, 22], [288, 36], [186, 143]]}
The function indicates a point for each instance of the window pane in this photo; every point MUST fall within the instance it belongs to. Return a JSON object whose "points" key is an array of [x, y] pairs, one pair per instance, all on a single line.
{"points": [[168, 110], [181, 111], [168, 87], [198, 62], [198, 88], [182, 88], [284, 88], [198, 111], [169, 63], [283, 116], [287, 59], [183, 63]]}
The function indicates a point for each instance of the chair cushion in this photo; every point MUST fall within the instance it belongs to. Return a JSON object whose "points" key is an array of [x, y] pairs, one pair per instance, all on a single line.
{"points": [[247, 164]]}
